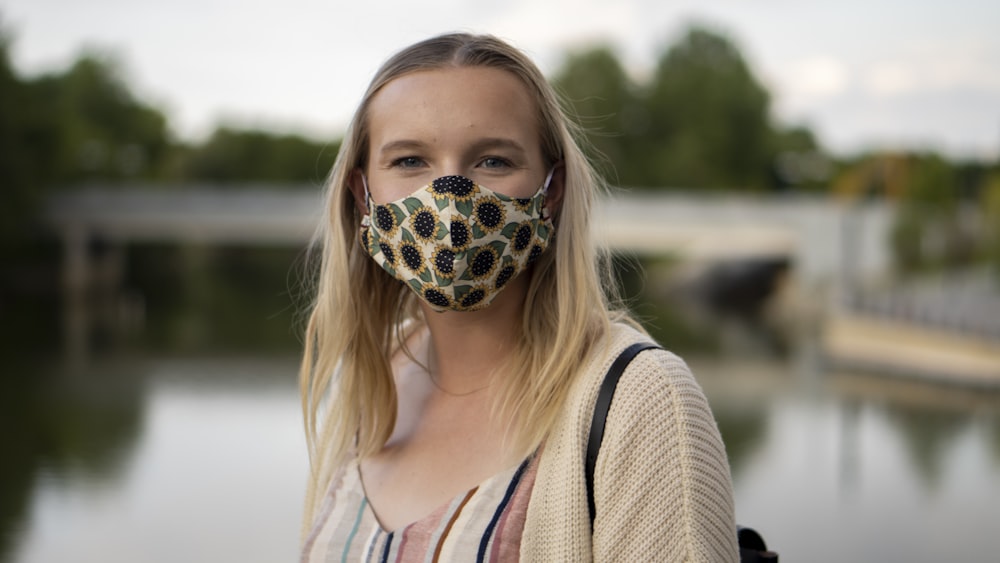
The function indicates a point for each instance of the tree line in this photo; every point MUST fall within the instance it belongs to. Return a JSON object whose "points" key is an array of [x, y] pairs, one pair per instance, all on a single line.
{"points": [[700, 121]]}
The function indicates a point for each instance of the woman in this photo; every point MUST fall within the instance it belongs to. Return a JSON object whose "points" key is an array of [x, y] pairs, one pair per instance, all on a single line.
{"points": [[461, 329]]}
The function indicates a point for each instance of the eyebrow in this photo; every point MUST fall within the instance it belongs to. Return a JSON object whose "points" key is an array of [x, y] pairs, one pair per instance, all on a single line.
{"points": [[498, 143], [480, 145], [402, 144]]}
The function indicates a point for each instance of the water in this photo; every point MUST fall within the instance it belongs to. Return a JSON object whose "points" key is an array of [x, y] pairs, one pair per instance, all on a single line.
{"points": [[847, 467], [211, 468], [197, 458]]}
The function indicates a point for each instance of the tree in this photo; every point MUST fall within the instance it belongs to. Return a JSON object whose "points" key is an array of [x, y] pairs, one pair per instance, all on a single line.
{"points": [[74, 127], [602, 100], [28, 139], [239, 156], [709, 117], [797, 160], [991, 206], [107, 134], [928, 232], [701, 121]]}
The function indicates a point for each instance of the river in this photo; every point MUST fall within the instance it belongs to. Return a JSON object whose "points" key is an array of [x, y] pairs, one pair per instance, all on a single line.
{"points": [[198, 456]]}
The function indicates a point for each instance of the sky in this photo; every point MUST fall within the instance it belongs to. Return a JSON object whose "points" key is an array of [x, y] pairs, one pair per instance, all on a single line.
{"points": [[862, 74]]}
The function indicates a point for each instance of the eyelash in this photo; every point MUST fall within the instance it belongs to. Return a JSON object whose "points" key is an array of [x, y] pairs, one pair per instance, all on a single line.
{"points": [[414, 162], [506, 163], [401, 162]]}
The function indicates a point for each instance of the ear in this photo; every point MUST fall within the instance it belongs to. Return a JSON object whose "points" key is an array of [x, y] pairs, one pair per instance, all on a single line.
{"points": [[557, 187], [356, 181]]}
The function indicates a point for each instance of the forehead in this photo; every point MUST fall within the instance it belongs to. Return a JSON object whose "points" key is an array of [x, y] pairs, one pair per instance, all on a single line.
{"points": [[442, 104]]}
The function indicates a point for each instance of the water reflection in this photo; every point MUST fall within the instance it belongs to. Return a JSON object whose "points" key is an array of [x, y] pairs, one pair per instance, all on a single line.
{"points": [[174, 452], [993, 425], [208, 465], [928, 436], [743, 433], [836, 465], [930, 420], [64, 428]]}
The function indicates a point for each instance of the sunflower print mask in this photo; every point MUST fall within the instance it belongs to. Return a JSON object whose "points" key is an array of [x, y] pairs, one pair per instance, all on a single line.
{"points": [[457, 243]]}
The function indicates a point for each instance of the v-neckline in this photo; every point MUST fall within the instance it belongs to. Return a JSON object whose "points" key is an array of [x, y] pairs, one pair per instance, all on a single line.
{"points": [[371, 510]]}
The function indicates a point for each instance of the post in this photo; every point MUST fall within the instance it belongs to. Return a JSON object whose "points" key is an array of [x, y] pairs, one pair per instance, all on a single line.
{"points": [[76, 281]]}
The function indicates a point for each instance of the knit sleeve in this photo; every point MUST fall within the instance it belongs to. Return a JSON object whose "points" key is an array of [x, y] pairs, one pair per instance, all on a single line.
{"points": [[662, 486]]}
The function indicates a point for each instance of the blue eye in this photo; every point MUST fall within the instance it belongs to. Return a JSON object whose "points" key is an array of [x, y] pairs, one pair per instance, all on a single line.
{"points": [[495, 162], [408, 162]]}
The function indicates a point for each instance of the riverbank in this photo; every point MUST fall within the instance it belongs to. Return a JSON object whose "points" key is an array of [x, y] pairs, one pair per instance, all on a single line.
{"points": [[892, 347]]}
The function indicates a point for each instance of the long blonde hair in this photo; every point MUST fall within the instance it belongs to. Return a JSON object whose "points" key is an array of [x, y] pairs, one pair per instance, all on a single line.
{"points": [[348, 394]]}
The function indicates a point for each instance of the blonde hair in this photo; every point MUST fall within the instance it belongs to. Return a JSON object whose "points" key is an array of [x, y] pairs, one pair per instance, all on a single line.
{"points": [[356, 320]]}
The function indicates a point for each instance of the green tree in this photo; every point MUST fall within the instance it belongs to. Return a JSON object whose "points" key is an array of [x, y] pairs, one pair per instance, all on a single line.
{"points": [[28, 143], [928, 233], [709, 117], [797, 160], [602, 100], [991, 208], [702, 120], [73, 127], [232, 156], [105, 132], [57, 131]]}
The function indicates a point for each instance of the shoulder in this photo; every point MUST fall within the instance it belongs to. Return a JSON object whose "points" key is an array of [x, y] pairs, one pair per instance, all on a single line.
{"points": [[662, 454], [658, 385], [659, 402], [651, 375]]}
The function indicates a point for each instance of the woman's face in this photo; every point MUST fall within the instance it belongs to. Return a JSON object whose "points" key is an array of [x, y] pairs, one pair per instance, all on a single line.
{"points": [[477, 122]]}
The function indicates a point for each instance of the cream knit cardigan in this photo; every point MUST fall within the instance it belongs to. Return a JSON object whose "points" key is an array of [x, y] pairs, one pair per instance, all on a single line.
{"points": [[661, 486]]}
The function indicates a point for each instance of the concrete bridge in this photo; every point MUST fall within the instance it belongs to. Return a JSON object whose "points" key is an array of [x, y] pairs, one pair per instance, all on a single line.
{"points": [[823, 240], [825, 243], [820, 240]]}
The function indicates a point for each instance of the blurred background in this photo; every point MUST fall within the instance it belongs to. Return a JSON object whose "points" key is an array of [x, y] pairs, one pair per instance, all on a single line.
{"points": [[807, 208]]}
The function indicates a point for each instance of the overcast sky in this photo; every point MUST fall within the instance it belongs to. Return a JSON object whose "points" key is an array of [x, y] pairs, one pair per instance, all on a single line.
{"points": [[862, 73]]}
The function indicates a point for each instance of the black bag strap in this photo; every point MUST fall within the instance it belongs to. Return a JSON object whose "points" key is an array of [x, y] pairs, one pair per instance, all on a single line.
{"points": [[604, 396]]}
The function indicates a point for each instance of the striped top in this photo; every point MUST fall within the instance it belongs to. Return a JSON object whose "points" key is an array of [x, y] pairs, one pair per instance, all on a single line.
{"points": [[483, 524]]}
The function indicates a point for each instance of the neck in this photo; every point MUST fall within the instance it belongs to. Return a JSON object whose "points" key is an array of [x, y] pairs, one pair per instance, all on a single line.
{"points": [[466, 348]]}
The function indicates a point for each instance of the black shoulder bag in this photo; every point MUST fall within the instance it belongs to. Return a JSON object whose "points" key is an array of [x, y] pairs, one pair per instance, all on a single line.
{"points": [[752, 547]]}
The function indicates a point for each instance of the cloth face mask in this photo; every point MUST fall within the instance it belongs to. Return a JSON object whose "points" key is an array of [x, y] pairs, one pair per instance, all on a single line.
{"points": [[456, 243]]}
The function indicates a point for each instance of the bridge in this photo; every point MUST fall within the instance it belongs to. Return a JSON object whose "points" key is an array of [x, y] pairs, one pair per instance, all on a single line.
{"points": [[822, 239], [826, 243]]}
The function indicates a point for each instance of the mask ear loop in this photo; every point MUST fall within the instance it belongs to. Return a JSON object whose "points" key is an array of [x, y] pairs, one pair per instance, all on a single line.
{"points": [[366, 220], [548, 178], [545, 191]]}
